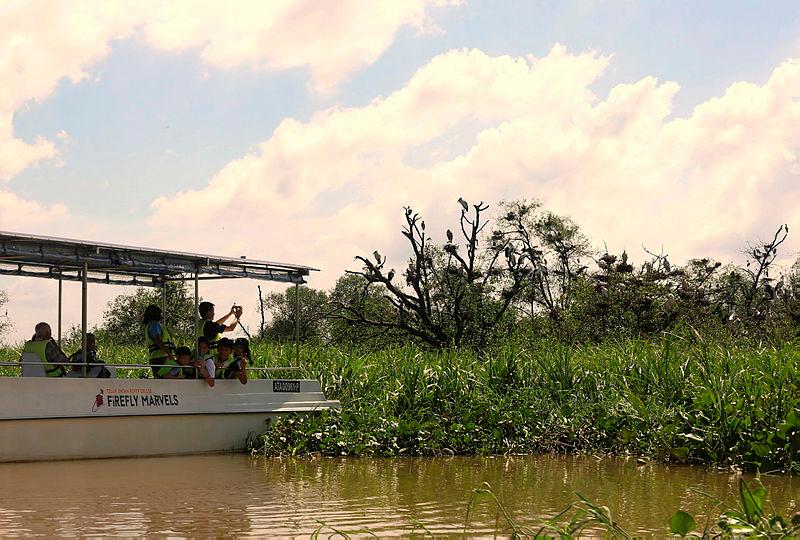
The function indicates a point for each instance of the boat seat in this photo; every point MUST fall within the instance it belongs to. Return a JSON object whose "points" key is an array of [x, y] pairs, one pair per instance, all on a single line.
{"points": [[30, 369], [92, 373]]}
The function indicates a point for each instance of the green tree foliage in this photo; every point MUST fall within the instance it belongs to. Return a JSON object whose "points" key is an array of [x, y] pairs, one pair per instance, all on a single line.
{"points": [[353, 293], [621, 300], [122, 319], [786, 308], [5, 323], [313, 308]]}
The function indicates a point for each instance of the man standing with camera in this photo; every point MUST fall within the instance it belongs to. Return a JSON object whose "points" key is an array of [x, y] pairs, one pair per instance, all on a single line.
{"points": [[212, 330]]}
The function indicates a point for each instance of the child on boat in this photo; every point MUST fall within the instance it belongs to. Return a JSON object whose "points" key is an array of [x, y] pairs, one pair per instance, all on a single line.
{"points": [[177, 368], [241, 349], [205, 361], [229, 366]]}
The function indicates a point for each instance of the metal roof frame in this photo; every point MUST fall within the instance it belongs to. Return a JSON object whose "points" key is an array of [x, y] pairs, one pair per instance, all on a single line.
{"points": [[66, 259], [114, 264]]}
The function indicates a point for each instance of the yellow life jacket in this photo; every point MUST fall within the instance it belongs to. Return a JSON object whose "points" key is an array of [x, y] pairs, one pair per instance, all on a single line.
{"points": [[154, 351], [39, 348], [198, 333], [224, 370], [168, 366]]}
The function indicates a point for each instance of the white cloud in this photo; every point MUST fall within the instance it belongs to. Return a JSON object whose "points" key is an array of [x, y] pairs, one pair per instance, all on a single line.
{"points": [[332, 39], [333, 187], [17, 213], [43, 42], [16, 154]]}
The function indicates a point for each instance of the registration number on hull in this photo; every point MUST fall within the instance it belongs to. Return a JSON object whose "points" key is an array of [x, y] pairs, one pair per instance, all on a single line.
{"points": [[286, 386]]}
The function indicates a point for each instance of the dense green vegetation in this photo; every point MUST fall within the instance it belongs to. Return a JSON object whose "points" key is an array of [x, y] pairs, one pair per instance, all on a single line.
{"points": [[514, 336], [674, 400]]}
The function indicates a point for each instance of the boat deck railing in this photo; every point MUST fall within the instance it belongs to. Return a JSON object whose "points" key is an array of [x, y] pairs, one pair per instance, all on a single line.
{"points": [[143, 366]]}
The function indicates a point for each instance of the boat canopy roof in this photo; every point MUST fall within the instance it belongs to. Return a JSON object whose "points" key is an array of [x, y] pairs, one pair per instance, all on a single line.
{"points": [[62, 258]]}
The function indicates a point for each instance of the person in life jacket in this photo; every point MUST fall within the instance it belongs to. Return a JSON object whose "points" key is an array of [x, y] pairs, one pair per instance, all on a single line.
{"points": [[205, 358], [160, 346], [212, 330], [241, 349], [179, 368], [47, 350], [229, 366], [92, 371]]}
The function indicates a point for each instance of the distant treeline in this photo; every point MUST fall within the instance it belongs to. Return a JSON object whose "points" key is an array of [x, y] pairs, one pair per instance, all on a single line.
{"points": [[529, 273]]}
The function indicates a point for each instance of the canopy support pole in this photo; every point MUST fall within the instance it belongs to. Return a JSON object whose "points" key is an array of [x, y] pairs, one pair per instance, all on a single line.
{"points": [[297, 323], [196, 311], [84, 298], [60, 295], [164, 303]]}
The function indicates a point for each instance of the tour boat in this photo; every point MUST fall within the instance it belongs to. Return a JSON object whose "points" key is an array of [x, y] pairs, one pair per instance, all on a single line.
{"points": [[49, 418]]}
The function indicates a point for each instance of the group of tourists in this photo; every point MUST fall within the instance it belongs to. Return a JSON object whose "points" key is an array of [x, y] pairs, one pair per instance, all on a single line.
{"points": [[213, 356], [55, 361]]}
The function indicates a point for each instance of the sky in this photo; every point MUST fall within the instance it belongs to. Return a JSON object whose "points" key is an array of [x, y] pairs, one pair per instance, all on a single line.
{"points": [[297, 130]]}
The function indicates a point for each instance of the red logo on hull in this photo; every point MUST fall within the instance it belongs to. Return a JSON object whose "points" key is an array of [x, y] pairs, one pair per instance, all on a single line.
{"points": [[98, 401]]}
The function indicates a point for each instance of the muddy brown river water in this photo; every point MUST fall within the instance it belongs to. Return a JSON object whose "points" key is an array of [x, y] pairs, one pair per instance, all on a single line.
{"points": [[235, 495]]}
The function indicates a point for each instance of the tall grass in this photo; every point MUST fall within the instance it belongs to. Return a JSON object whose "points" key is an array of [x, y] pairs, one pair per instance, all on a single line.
{"points": [[670, 401]]}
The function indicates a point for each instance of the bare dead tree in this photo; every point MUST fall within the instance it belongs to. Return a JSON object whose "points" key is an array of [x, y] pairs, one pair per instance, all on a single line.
{"points": [[758, 289], [263, 326], [454, 294]]}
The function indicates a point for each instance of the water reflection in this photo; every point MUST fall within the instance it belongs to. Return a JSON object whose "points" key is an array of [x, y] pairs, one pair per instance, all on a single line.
{"points": [[235, 495]]}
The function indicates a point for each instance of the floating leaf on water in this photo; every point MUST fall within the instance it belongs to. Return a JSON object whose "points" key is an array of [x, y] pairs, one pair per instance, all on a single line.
{"points": [[681, 523]]}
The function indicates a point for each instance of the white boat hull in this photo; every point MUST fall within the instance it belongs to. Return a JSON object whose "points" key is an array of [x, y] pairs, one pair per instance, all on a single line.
{"points": [[49, 419]]}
